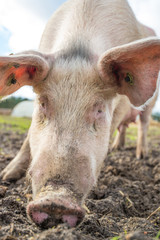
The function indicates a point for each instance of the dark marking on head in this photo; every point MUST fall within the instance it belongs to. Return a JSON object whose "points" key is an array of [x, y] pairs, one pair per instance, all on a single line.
{"points": [[75, 51]]}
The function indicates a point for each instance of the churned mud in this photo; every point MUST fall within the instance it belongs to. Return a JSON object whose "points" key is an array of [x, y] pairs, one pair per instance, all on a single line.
{"points": [[124, 205]]}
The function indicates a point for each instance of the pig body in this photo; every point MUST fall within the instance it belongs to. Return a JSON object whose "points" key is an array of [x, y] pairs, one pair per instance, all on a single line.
{"points": [[143, 124], [95, 70]]}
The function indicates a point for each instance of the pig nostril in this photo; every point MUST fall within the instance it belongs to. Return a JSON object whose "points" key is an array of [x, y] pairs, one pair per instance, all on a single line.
{"points": [[39, 217], [71, 220]]}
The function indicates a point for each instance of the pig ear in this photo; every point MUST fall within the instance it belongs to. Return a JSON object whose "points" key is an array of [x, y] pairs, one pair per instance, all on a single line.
{"points": [[19, 70], [132, 69]]}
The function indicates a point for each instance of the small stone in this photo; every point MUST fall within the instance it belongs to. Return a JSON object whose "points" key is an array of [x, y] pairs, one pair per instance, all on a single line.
{"points": [[3, 190], [136, 236], [157, 178]]}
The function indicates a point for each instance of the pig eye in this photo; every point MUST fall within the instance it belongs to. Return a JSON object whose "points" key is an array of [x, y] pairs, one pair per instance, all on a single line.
{"points": [[43, 105], [99, 111]]}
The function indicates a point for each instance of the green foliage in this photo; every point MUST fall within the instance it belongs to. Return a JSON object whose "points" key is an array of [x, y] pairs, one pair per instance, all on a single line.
{"points": [[158, 236], [20, 125], [156, 116], [131, 133], [11, 102], [115, 238], [153, 131]]}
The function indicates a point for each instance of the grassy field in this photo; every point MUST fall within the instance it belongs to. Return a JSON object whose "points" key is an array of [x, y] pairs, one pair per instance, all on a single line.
{"points": [[132, 130], [20, 125]]}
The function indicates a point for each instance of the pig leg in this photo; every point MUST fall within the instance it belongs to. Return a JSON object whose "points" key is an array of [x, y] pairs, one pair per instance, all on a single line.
{"points": [[18, 166], [143, 123], [142, 148], [119, 140]]}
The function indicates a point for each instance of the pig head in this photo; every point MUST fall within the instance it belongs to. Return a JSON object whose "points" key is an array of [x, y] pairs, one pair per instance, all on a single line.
{"points": [[74, 116]]}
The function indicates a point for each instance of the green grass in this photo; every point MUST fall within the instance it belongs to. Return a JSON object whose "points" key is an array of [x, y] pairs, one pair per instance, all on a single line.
{"points": [[158, 236], [115, 238], [16, 124], [154, 131], [132, 131]]}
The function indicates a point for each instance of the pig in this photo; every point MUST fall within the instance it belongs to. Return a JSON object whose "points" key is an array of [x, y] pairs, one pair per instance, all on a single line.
{"points": [[94, 62], [144, 118], [143, 124]]}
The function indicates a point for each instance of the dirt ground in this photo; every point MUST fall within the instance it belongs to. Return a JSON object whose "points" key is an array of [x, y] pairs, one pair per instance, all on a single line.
{"points": [[124, 205]]}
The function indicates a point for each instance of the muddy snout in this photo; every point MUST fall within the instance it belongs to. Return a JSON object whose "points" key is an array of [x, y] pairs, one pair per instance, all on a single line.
{"points": [[49, 211]]}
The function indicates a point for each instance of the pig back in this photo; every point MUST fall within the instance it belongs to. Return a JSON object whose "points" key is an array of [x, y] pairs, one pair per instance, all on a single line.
{"points": [[98, 24]]}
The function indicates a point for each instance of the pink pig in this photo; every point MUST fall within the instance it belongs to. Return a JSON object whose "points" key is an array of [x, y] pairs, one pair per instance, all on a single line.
{"points": [[94, 61]]}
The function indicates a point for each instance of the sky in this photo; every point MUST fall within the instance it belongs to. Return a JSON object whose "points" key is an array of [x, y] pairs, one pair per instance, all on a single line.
{"points": [[22, 23]]}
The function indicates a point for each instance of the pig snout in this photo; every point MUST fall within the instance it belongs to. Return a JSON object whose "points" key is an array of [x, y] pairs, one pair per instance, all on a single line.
{"points": [[48, 212]]}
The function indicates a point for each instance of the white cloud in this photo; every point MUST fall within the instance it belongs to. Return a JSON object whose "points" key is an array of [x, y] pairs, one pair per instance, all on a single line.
{"points": [[25, 20], [43, 8], [25, 27], [26, 92], [147, 12]]}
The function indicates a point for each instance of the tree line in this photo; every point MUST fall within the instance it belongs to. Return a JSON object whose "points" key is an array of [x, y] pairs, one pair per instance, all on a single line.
{"points": [[11, 102]]}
